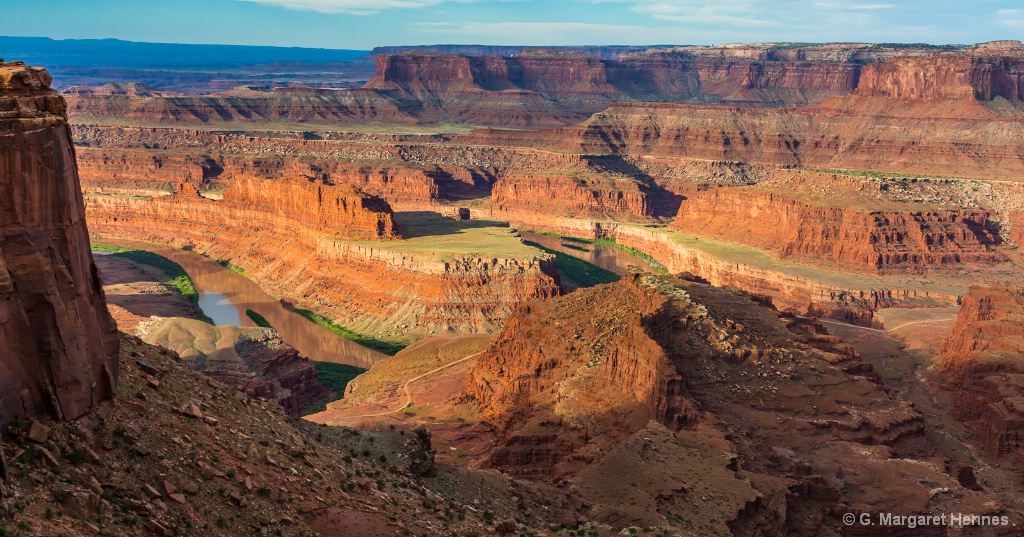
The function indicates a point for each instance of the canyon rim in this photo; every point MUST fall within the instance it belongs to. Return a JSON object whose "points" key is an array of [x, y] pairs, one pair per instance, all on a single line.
{"points": [[753, 290]]}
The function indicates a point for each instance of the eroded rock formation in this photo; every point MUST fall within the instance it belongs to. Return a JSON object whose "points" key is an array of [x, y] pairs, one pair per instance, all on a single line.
{"points": [[252, 360], [333, 261], [859, 239], [541, 88], [613, 389], [982, 362], [58, 343]]}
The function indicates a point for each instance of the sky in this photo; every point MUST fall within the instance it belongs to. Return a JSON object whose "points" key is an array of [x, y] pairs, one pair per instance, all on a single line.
{"points": [[364, 24]]}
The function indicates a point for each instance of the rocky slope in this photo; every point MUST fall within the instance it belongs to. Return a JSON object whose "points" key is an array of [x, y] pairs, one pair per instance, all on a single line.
{"points": [[181, 453], [648, 369], [58, 345], [982, 362], [255, 361]]}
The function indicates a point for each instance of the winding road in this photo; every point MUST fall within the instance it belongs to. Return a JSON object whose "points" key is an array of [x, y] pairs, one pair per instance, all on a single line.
{"points": [[887, 330]]}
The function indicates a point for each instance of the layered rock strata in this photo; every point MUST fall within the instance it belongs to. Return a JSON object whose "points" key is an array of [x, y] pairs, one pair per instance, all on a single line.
{"points": [[58, 343], [982, 362], [590, 387], [337, 260], [885, 241], [548, 88], [931, 138]]}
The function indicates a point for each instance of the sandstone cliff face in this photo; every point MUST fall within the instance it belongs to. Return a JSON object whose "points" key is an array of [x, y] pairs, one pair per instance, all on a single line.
{"points": [[587, 388], [515, 197], [253, 360], [339, 211], [331, 268], [116, 160], [945, 78], [981, 361], [1017, 232], [857, 239], [58, 343], [937, 138], [545, 89]]}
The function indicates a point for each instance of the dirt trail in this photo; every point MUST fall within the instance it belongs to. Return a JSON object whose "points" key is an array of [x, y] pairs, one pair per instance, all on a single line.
{"points": [[887, 330], [408, 395]]}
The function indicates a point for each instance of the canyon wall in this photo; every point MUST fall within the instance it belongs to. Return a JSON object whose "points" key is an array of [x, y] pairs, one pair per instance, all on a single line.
{"points": [[538, 88], [58, 343], [590, 388], [843, 296], [372, 286], [940, 138], [885, 241], [980, 362], [514, 197], [334, 210], [948, 77]]}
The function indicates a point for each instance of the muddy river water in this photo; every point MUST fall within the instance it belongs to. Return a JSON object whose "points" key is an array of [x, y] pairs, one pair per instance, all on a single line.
{"points": [[225, 295], [606, 257]]}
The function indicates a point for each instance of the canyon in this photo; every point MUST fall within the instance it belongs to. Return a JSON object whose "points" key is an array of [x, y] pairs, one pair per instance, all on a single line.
{"points": [[774, 195], [543, 88]]}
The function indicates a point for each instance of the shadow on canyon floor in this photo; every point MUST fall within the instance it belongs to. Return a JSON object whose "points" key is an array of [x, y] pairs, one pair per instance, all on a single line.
{"points": [[416, 224]]}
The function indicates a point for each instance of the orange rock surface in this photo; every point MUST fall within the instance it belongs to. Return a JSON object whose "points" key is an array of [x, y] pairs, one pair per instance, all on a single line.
{"points": [[58, 343], [592, 388], [858, 239], [334, 257], [982, 362]]}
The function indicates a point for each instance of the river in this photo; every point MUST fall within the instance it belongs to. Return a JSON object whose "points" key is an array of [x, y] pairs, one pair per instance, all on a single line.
{"points": [[606, 257], [225, 295]]}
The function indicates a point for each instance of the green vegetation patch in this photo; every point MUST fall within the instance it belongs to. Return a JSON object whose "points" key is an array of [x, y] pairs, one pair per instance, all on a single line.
{"points": [[179, 279], [234, 268], [658, 267], [576, 270], [334, 376], [260, 321], [387, 347]]}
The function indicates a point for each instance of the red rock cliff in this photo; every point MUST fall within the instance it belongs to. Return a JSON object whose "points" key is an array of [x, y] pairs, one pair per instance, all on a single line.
{"points": [[947, 77], [576, 386], [858, 239], [341, 211], [981, 361], [58, 343]]}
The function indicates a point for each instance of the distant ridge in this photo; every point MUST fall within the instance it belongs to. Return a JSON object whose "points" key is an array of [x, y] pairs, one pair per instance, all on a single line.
{"points": [[136, 55]]}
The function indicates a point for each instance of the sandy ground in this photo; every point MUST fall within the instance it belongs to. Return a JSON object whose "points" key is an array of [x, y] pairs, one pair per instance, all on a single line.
{"points": [[137, 292]]}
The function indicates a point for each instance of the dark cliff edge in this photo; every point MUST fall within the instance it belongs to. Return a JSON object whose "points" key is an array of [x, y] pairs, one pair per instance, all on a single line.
{"points": [[58, 342]]}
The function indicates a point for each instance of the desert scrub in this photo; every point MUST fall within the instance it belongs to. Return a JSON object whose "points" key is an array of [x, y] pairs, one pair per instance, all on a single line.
{"points": [[260, 321], [232, 267], [334, 376], [390, 348], [179, 279]]}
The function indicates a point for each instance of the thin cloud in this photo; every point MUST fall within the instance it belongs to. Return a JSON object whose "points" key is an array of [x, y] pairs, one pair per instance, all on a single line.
{"points": [[1013, 18], [352, 7]]}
